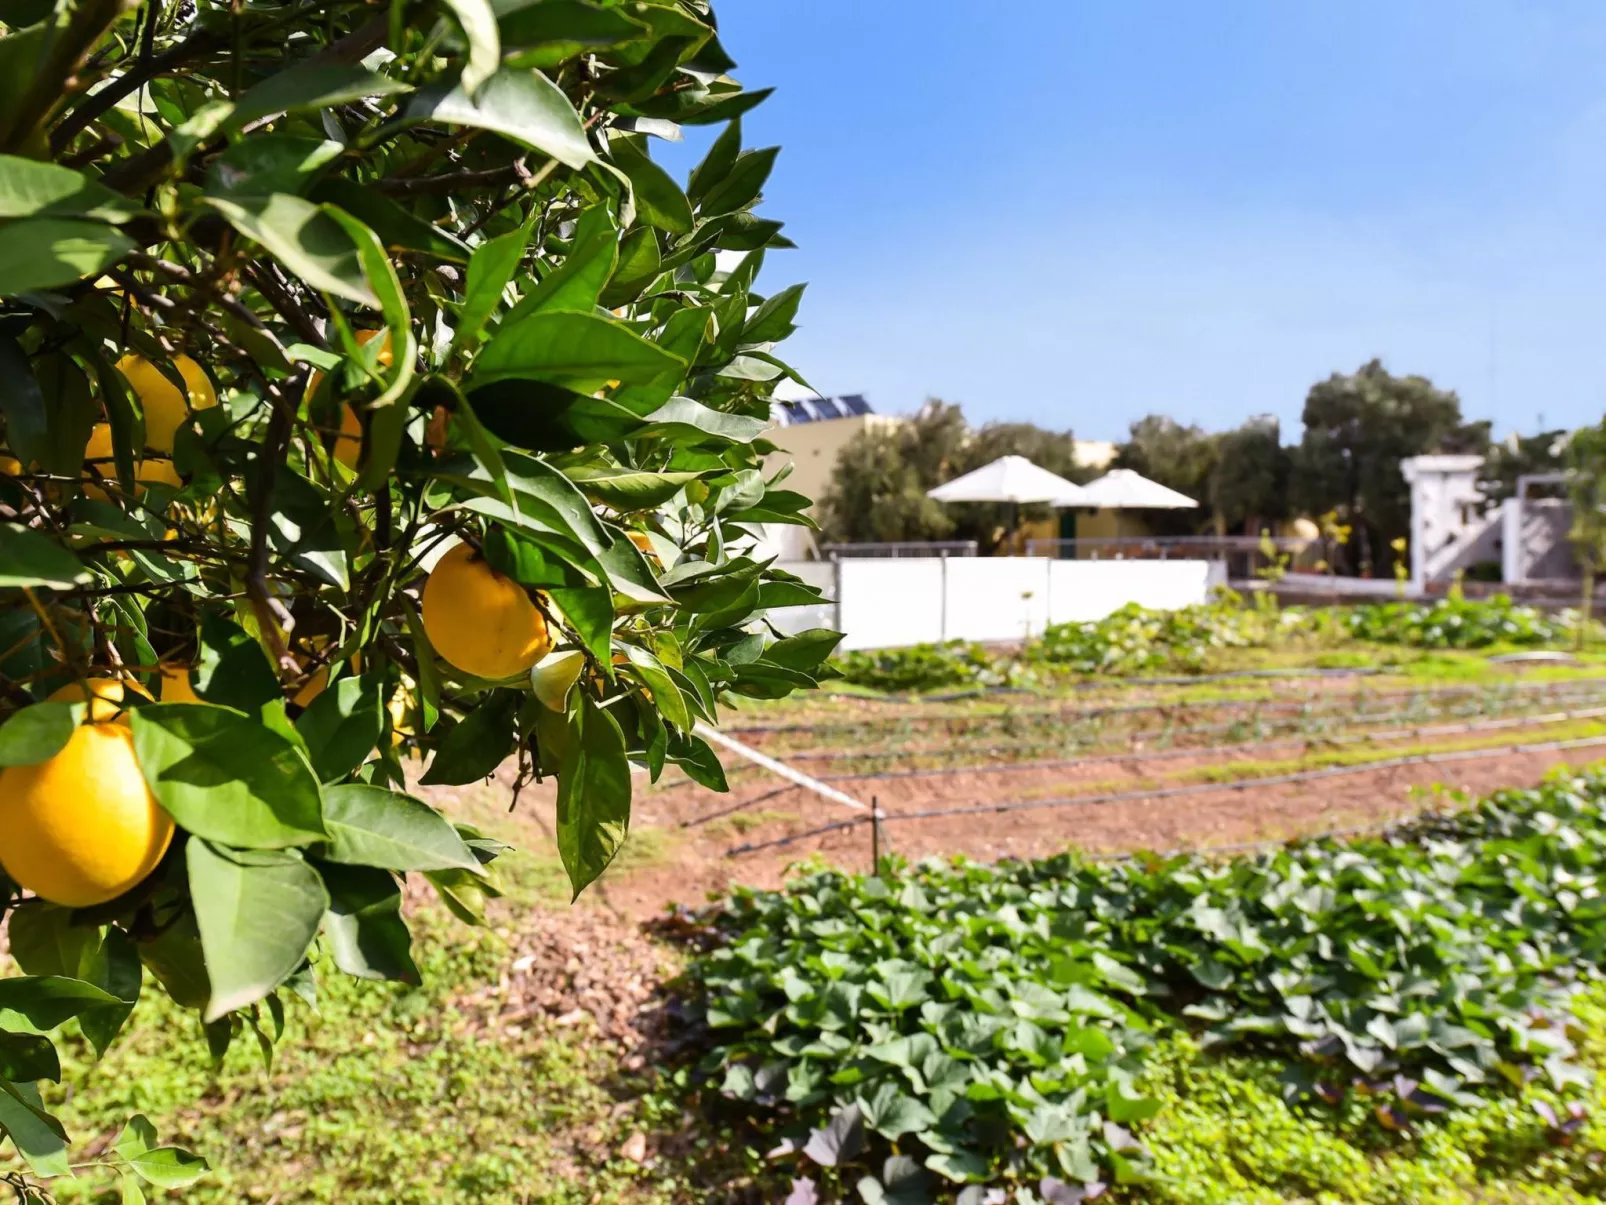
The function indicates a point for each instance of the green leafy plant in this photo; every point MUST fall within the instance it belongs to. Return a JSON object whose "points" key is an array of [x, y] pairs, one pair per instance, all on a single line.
{"points": [[990, 1024], [293, 300]]}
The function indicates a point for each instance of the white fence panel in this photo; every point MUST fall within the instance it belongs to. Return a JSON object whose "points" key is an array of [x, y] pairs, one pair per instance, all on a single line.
{"points": [[892, 602], [997, 598], [1080, 591], [887, 603]]}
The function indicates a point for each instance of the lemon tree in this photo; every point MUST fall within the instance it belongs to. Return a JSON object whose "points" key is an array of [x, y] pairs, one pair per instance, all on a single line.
{"points": [[376, 410]]}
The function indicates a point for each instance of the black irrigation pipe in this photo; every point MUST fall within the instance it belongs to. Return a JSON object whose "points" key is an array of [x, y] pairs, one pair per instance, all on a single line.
{"points": [[1158, 734], [1388, 734], [1268, 703], [1243, 784], [981, 692]]}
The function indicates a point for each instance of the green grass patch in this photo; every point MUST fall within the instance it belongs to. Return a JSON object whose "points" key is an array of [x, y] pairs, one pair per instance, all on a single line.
{"points": [[382, 1095]]}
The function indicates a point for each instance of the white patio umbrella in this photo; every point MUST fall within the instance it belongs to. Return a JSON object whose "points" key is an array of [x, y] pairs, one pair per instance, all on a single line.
{"points": [[1124, 489], [1010, 479]]}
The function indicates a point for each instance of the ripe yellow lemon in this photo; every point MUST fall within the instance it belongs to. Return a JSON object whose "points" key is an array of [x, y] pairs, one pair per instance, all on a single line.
{"points": [[98, 454], [160, 471], [105, 697], [177, 686], [348, 444], [482, 622], [165, 407], [83, 827]]}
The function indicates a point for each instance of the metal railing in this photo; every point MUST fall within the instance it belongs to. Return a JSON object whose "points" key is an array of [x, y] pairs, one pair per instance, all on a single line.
{"points": [[906, 548], [1128, 548]]}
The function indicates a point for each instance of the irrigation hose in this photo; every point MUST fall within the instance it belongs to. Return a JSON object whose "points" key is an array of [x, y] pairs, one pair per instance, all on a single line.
{"points": [[1244, 784]]}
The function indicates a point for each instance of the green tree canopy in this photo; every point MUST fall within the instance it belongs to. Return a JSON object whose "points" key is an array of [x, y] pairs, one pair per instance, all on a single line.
{"points": [[1250, 483], [1358, 427], [878, 489], [1180, 456]]}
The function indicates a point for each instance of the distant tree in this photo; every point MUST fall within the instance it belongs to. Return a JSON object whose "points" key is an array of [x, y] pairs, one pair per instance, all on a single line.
{"points": [[1586, 489], [878, 489], [1249, 487], [1520, 456], [1181, 457], [1358, 427], [878, 493]]}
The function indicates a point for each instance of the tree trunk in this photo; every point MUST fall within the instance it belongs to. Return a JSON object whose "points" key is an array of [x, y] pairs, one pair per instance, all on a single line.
{"points": [[1586, 607]]}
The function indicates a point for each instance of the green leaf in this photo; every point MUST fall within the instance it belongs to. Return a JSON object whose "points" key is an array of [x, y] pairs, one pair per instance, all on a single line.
{"points": [[128, 1190], [138, 1136], [175, 957], [683, 420], [659, 201], [369, 826], [304, 238], [550, 32], [478, 23], [22, 402], [629, 489], [577, 283], [44, 941], [958, 1166], [519, 104], [593, 795], [257, 914], [805, 651], [29, 558], [741, 184], [772, 321], [37, 1135], [476, 745], [35, 734], [233, 671], [590, 613], [225, 777], [665, 693], [268, 163], [386, 284], [716, 165], [307, 87], [580, 351], [343, 724], [398, 229], [839, 1141], [26, 1057], [47, 253], [364, 926], [892, 1113], [697, 758], [46, 1001], [490, 268], [29, 188], [168, 1167]]}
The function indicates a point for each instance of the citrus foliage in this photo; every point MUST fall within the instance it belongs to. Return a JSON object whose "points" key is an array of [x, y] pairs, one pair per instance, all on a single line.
{"points": [[990, 1024], [304, 306]]}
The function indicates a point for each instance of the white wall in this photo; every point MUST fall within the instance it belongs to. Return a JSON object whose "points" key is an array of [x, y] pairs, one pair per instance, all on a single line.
{"points": [[886, 603], [1080, 591]]}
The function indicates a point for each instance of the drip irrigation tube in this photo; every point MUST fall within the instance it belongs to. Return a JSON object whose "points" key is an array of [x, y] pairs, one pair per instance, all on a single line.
{"points": [[1422, 759], [1350, 717], [1340, 702]]}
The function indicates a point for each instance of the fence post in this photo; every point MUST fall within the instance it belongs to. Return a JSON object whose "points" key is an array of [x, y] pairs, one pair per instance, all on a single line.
{"points": [[942, 621]]}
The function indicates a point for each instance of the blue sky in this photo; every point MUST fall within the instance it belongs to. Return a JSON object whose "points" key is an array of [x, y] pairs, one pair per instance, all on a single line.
{"points": [[1078, 212]]}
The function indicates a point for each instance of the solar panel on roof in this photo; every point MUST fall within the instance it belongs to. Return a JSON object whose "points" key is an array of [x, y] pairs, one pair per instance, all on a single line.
{"points": [[854, 403]]}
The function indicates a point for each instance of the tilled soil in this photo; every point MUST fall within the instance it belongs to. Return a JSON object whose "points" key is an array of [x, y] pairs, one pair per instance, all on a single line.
{"points": [[705, 844]]}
